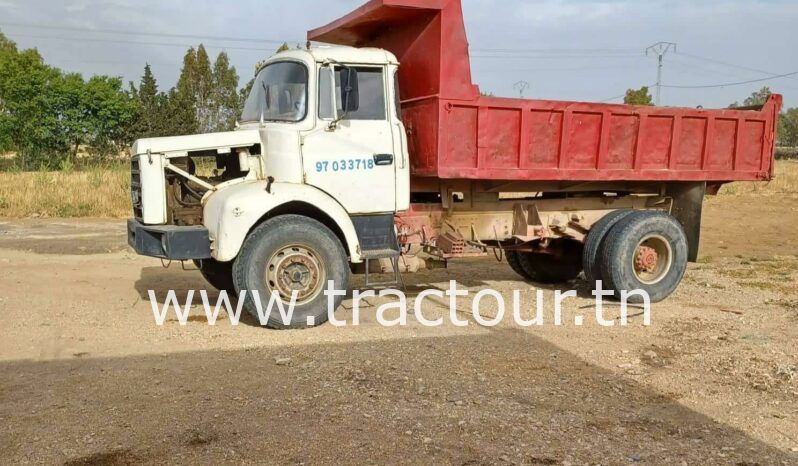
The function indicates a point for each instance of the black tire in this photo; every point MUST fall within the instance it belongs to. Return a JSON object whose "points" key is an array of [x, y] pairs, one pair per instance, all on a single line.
{"points": [[514, 260], [563, 266], [591, 255], [218, 274], [298, 250], [654, 230]]}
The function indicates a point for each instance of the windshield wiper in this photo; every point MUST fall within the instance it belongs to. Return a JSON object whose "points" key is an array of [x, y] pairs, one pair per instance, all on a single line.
{"points": [[266, 93]]}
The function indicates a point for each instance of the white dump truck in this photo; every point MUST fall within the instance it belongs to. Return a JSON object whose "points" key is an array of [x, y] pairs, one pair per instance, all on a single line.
{"points": [[357, 151]]}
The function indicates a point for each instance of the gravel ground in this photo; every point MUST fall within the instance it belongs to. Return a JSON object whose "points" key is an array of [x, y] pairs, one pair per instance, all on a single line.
{"points": [[86, 377]]}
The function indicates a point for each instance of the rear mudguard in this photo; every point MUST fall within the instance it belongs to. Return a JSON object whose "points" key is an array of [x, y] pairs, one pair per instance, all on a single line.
{"points": [[231, 213]]}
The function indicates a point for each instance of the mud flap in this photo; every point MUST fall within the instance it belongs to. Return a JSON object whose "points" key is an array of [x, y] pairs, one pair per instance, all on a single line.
{"points": [[688, 204]]}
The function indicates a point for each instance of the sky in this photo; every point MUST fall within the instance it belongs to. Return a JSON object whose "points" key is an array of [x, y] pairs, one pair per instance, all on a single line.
{"points": [[585, 50]]}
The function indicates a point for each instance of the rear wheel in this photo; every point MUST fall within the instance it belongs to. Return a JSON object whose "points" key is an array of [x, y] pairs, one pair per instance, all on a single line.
{"points": [[591, 255], [218, 274], [514, 259], [562, 265], [291, 255], [645, 251]]}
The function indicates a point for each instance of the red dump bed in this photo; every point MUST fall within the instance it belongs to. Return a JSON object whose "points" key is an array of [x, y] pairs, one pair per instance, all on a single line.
{"points": [[454, 133]]}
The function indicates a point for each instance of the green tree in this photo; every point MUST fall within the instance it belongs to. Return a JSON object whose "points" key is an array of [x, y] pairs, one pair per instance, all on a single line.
{"points": [[151, 115], [95, 113], [7, 50], [182, 98], [243, 94], [756, 99], [110, 112], [46, 115], [71, 104], [224, 95], [30, 119], [638, 97], [6, 44], [182, 114], [195, 88], [203, 88], [788, 128]]}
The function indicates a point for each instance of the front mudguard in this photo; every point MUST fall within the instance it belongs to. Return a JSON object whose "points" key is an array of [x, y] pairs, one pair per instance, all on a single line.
{"points": [[232, 212]]}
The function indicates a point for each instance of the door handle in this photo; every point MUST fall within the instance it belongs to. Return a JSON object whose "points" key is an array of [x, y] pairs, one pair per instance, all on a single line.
{"points": [[383, 159]]}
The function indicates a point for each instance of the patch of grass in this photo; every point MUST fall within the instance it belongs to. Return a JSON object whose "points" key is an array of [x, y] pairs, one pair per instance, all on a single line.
{"points": [[785, 182], [780, 266], [96, 191], [790, 304], [738, 273], [766, 286], [770, 274]]}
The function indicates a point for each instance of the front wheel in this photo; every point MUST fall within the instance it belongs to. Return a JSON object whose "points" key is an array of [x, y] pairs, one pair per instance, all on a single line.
{"points": [[218, 274], [291, 256]]}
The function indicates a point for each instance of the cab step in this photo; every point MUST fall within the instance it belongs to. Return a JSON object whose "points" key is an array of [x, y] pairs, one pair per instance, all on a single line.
{"points": [[393, 255]]}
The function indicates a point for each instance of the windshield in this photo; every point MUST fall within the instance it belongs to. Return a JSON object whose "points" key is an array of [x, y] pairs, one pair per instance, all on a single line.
{"points": [[279, 94]]}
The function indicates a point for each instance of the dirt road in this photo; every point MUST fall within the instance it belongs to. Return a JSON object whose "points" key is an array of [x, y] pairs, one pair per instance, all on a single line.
{"points": [[86, 377]]}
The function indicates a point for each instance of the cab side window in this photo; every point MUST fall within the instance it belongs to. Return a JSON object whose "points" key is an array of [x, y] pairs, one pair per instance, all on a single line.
{"points": [[326, 94], [371, 87]]}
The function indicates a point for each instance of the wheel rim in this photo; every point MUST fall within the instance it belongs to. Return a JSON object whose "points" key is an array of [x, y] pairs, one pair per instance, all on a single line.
{"points": [[296, 268], [652, 259]]}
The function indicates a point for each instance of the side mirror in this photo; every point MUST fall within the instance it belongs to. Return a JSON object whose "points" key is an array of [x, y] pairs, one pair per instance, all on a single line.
{"points": [[350, 95]]}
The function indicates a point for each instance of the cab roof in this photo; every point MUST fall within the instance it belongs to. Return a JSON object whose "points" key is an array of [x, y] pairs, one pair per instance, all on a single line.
{"points": [[341, 53]]}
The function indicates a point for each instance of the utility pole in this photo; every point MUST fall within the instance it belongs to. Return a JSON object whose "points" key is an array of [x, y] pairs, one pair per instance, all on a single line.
{"points": [[521, 86], [660, 49]]}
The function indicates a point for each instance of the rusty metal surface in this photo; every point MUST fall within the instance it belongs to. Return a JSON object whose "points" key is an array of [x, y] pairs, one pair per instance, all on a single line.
{"points": [[454, 133], [511, 221]]}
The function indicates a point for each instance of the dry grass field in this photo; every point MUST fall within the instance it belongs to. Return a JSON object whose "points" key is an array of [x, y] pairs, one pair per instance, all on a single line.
{"points": [[785, 182], [103, 192]]}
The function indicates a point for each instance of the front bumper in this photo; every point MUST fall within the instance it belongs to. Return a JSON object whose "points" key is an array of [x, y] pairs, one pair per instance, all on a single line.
{"points": [[169, 241]]}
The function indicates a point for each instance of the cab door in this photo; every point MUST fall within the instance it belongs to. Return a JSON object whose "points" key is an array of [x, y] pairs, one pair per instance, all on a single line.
{"points": [[351, 155], [399, 143]]}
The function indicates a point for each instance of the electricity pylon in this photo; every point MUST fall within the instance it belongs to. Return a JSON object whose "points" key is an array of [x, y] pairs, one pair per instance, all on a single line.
{"points": [[660, 49]]}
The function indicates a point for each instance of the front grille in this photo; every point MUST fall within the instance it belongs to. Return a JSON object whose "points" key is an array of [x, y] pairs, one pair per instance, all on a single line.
{"points": [[135, 188]]}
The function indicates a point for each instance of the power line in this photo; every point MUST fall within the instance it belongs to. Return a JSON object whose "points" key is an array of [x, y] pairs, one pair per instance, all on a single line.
{"points": [[692, 69], [556, 50], [530, 70], [133, 42], [546, 53], [731, 65], [616, 97], [554, 57], [138, 33], [112, 62], [707, 86]]}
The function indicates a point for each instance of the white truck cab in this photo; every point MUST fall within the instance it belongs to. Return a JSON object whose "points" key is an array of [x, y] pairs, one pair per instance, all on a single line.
{"points": [[308, 183]]}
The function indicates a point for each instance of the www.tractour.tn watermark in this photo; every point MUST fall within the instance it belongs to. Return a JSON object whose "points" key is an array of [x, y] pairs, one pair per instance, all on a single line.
{"points": [[400, 312]]}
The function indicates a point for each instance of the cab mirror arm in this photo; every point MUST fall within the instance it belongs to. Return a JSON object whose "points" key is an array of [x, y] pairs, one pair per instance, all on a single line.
{"points": [[350, 96]]}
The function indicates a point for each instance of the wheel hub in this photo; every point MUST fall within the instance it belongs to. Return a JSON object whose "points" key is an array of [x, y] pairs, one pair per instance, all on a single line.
{"points": [[652, 259], [295, 269], [646, 259]]}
